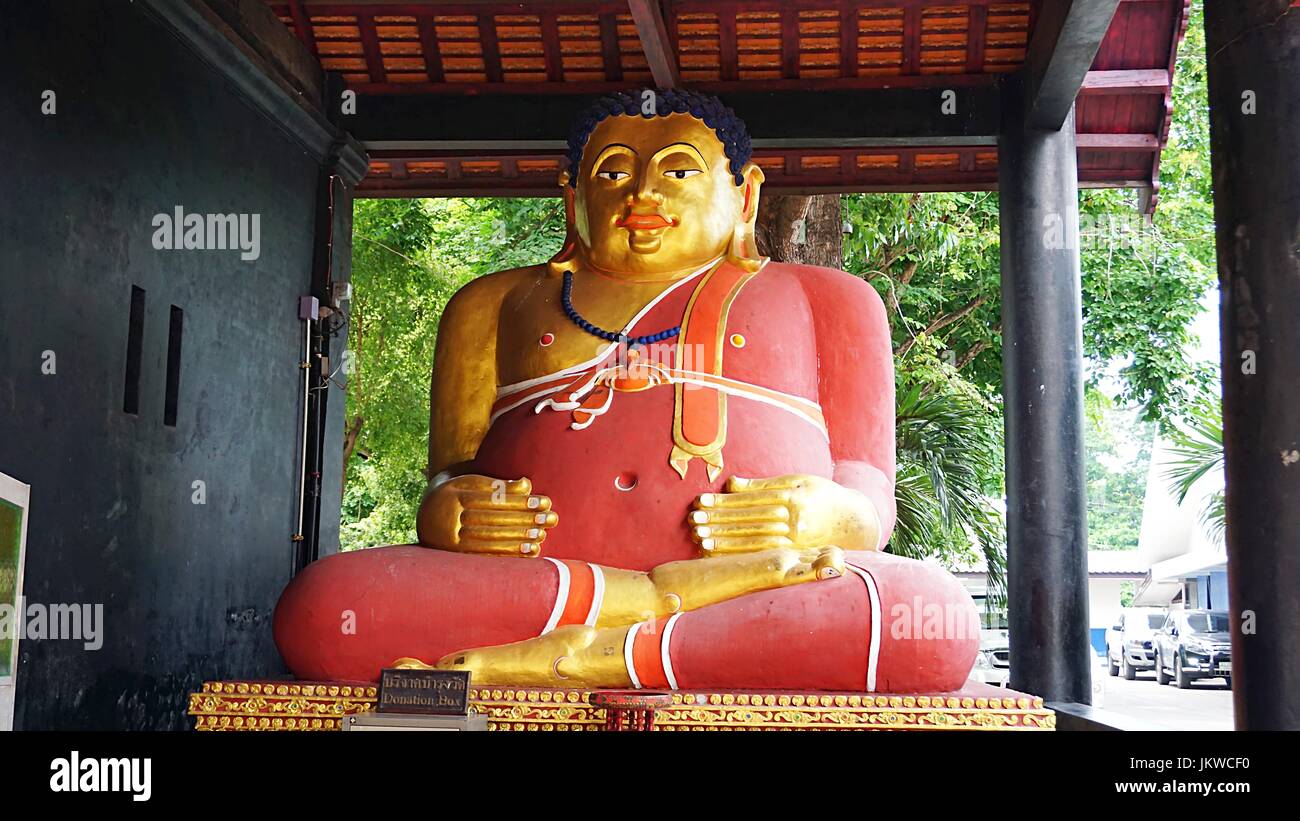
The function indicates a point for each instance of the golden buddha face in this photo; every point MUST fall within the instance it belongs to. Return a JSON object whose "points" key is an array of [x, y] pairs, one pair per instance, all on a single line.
{"points": [[657, 196]]}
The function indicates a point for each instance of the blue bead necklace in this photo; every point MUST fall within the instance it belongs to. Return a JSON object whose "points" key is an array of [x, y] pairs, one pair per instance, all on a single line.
{"points": [[576, 318]]}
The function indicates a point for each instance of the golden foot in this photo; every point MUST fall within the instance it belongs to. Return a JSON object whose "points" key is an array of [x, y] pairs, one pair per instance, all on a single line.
{"points": [[697, 583], [408, 663], [574, 656], [784, 566], [817, 564]]}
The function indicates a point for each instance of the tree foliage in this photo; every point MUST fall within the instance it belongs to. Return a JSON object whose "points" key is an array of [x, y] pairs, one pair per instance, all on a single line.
{"points": [[949, 469], [1117, 445], [409, 257]]}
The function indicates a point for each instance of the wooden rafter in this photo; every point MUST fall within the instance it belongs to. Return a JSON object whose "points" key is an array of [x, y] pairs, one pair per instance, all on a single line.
{"points": [[429, 47], [302, 26], [370, 46], [610, 54], [976, 39], [652, 30]]}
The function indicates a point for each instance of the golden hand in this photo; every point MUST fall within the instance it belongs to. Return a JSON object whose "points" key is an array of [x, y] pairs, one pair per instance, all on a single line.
{"points": [[797, 510], [479, 514]]}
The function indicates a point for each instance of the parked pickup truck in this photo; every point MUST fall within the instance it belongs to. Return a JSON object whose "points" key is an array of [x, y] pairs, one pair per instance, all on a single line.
{"points": [[1194, 644]]}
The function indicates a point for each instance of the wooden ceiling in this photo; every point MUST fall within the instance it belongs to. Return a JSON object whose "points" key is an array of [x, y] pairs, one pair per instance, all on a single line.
{"points": [[428, 52]]}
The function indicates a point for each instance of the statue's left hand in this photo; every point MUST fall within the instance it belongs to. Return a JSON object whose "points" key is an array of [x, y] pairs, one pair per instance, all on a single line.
{"points": [[796, 510]]}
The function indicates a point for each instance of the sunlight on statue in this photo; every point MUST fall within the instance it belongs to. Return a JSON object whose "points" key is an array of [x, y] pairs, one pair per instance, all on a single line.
{"points": [[658, 460]]}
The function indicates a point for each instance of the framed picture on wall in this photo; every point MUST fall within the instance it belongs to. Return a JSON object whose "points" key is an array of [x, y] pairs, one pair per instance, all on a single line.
{"points": [[14, 496]]}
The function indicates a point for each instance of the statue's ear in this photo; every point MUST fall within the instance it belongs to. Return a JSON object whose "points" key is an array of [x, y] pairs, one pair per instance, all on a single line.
{"points": [[753, 182], [744, 248], [564, 258]]}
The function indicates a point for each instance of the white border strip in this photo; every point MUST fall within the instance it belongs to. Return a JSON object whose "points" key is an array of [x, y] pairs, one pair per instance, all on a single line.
{"points": [[522, 401], [627, 654], [732, 387], [663, 651], [873, 594], [737, 390], [597, 594], [561, 595]]}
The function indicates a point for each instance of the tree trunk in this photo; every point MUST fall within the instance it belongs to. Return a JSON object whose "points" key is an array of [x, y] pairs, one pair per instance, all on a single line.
{"points": [[800, 228], [351, 431]]}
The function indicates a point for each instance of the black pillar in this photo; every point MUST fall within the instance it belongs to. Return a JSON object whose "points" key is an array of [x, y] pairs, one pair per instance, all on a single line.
{"points": [[1253, 67], [1042, 387]]}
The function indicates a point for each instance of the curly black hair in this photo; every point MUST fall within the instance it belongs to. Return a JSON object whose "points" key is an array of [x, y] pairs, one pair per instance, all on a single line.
{"points": [[708, 109]]}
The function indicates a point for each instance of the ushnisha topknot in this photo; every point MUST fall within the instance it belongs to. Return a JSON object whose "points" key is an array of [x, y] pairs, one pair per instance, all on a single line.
{"points": [[729, 128]]}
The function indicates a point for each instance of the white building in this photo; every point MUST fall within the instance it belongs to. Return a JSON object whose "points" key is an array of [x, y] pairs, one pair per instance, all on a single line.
{"points": [[1108, 573], [1188, 567]]}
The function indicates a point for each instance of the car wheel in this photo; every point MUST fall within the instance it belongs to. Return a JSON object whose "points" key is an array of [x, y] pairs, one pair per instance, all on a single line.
{"points": [[1111, 663], [1180, 676], [1130, 672], [1161, 678]]}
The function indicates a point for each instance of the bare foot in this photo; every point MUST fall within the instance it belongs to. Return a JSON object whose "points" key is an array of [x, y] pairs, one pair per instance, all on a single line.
{"points": [[574, 656], [814, 564]]}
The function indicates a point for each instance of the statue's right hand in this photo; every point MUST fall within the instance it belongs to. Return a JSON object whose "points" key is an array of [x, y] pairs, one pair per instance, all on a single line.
{"points": [[479, 514]]}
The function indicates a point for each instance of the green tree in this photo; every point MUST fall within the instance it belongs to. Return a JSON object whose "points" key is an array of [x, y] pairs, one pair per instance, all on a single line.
{"points": [[409, 258], [1117, 450], [949, 469]]}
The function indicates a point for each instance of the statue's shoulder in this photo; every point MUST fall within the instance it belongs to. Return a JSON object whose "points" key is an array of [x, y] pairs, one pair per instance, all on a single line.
{"points": [[828, 288], [490, 291]]}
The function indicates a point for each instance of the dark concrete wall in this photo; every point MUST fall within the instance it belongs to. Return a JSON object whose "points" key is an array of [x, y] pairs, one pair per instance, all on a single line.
{"points": [[188, 589]]}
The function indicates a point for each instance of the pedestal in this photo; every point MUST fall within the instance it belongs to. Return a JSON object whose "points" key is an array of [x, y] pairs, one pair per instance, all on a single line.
{"points": [[285, 705]]}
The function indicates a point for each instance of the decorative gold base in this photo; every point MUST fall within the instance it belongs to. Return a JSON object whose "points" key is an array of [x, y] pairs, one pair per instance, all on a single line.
{"points": [[271, 705]]}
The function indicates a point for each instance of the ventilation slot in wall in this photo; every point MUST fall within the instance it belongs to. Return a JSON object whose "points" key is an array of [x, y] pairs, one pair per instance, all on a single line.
{"points": [[134, 350], [173, 366]]}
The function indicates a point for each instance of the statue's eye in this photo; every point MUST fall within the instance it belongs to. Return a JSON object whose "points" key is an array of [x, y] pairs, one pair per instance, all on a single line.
{"points": [[682, 173], [612, 175]]}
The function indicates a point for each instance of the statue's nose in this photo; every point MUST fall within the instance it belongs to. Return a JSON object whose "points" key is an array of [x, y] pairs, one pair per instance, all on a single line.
{"points": [[646, 192]]}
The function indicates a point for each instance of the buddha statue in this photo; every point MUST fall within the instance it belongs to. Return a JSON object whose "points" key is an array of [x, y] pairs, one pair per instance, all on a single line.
{"points": [[659, 460]]}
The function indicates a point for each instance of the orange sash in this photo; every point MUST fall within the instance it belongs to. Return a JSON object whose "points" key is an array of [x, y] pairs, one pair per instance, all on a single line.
{"points": [[700, 416]]}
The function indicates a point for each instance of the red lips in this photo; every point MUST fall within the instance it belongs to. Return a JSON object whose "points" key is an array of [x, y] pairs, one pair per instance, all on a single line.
{"points": [[644, 222]]}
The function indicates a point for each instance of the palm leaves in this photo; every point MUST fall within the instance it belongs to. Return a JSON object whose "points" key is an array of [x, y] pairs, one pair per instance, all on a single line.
{"points": [[1196, 448], [948, 446]]}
